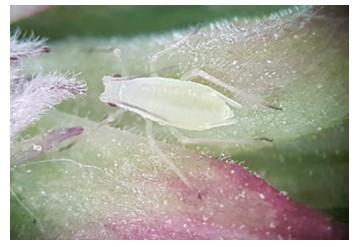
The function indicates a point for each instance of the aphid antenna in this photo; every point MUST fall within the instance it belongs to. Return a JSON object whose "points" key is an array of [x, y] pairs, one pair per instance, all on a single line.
{"points": [[274, 107], [153, 58], [146, 74]]}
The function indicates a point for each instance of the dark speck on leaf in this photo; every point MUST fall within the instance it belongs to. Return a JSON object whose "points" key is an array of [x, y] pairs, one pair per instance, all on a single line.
{"points": [[264, 139], [67, 147], [199, 196], [45, 49], [112, 105]]}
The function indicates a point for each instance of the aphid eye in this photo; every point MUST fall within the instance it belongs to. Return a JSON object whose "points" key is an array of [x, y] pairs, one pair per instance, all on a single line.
{"points": [[112, 105], [117, 75]]}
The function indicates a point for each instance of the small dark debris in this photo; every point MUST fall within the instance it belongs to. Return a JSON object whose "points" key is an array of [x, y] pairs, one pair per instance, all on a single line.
{"points": [[45, 49], [66, 147], [112, 105], [199, 196], [264, 139]]}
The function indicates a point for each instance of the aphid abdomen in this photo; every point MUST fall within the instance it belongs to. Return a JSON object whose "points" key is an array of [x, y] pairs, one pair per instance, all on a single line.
{"points": [[182, 104]]}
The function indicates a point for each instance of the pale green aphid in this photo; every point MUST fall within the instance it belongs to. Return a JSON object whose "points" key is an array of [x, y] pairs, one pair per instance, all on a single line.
{"points": [[176, 103], [182, 104], [179, 103]]}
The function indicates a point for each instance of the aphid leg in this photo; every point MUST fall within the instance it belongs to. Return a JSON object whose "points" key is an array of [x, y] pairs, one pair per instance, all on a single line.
{"points": [[162, 156], [190, 140], [112, 118], [94, 49], [155, 56], [245, 96]]}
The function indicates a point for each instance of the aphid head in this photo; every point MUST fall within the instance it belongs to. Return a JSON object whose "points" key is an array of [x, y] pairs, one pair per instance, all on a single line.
{"points": [[123, 78], [112, 88], [119, 78]]}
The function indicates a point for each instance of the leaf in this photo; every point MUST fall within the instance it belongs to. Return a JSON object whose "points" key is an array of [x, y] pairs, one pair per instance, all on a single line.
{"points": [[275, 59], [121, 190], [308, 50]]}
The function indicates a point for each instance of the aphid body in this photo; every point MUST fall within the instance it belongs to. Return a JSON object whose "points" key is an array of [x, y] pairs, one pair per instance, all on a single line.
{"points": [[176, 103], [182, 103]]}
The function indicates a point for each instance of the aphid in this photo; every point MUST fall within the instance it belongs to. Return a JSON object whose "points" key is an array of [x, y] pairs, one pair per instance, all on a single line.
{"points": [[182, 104], [179, 103]]}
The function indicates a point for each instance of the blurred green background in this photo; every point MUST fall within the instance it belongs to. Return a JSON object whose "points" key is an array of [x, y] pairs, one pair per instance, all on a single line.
{"points": [[107, 21]]}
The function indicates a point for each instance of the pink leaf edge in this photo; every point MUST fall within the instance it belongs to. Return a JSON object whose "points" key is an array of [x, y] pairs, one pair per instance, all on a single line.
{"points": [[235, 204]]}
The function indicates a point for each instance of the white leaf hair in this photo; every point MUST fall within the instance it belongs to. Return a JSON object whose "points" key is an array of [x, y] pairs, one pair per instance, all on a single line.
{"points": [[30, 98]]}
